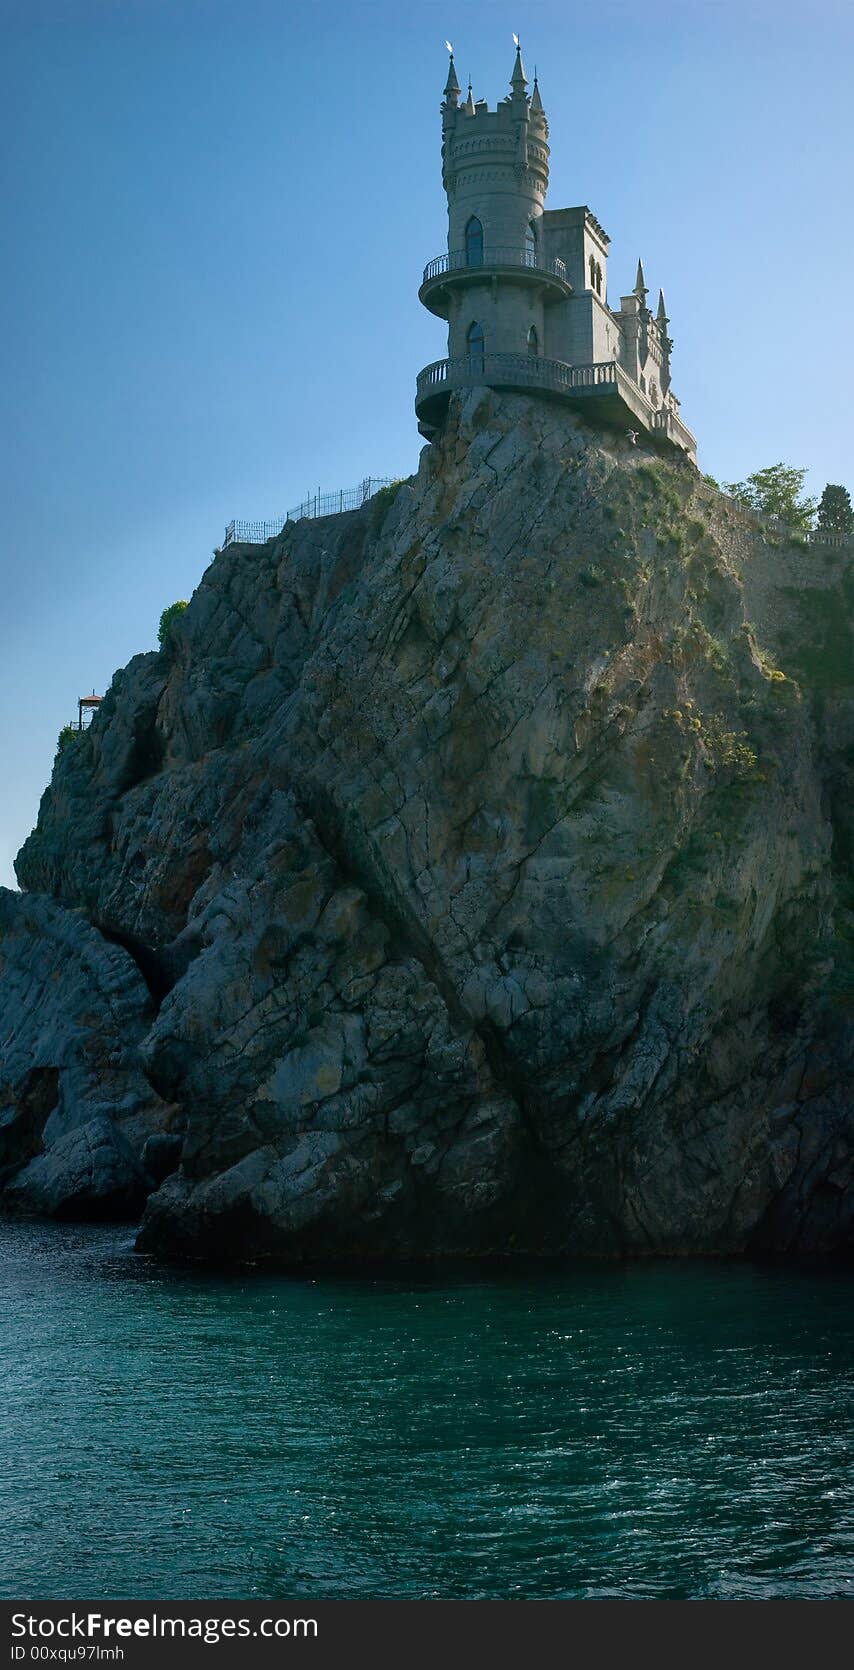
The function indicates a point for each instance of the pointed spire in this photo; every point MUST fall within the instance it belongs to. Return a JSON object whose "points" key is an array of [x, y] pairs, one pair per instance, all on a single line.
{"points": [[536, 101], [640, 283], [662, 310], [452, 86], [468, 107], [518, 80]]}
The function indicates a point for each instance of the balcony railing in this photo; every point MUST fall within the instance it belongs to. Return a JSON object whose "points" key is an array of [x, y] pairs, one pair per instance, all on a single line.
{"points": [[667, 422], [459, 259], [524, 369], [834, 541], [532, 371]]}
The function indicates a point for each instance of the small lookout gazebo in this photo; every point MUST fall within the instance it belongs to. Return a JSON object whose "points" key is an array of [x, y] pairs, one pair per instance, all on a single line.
{"points": [[87, 707]]}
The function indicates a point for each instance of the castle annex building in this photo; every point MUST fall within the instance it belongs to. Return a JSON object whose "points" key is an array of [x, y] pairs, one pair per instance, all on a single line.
{"points": [[524, 289]]}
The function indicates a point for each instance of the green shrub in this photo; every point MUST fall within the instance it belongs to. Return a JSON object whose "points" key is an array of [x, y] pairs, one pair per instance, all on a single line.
{"points": [[386, 496], [725, 750], [167, 621], [67, 736], [730, 750]]}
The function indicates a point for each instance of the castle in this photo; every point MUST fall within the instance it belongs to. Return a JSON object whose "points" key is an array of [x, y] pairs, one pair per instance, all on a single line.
{"points": [[524, 288]]}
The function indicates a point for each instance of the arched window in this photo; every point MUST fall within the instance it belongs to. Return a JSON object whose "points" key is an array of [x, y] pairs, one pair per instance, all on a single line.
{"points": [[531, 244], [474, 344], [598, 279], [533, 341], [474, 243], [592, 273]]}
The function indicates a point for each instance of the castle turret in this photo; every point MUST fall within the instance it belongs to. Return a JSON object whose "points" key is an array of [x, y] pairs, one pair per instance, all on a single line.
{"points": [[495, 283], [524, 289]]}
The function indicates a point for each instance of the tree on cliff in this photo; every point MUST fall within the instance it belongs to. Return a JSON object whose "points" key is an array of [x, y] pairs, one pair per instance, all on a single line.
{"points": [[775, 491], [835, 513]]}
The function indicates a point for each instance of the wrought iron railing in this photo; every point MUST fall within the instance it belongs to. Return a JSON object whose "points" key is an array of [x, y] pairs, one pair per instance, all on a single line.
{"points": [[315, 504], [253, 533], [456, 260]]}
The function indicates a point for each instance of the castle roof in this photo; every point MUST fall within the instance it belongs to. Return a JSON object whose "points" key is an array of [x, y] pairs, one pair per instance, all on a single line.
{"points": [[518, 79], [452, 86]]}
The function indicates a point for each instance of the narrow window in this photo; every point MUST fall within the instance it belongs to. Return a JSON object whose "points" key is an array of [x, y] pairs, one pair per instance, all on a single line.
{"points": [[474, 243], [592, 273], [474, 344], [533, 341], [598, 279], [531, 245]]}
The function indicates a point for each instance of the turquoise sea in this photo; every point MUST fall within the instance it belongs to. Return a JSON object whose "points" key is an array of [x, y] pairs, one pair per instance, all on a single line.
{"points": [[651, 1430]]}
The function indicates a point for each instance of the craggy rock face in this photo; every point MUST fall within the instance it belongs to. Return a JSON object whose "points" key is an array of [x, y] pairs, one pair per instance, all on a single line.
{"points": [[484, 853], [79, 1121]]}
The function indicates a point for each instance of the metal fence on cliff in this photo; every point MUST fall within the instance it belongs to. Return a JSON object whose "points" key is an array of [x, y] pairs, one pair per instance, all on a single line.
{"points": [[315, 504]]}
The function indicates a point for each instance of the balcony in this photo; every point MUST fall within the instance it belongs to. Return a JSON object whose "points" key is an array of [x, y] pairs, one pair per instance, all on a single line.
{"points": [[668, 424], [603, 387], [458, 267], [526, 371]]}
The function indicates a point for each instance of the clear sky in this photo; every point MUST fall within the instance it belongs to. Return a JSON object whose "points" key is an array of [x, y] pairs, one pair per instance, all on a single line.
{"points": [[215, 215]]}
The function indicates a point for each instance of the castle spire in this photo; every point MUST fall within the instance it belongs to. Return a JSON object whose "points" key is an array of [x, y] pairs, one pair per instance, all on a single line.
{"points": [[536, 101], [452, 86], [640, 283], [468, 107], [662, 310], [518, 80]]}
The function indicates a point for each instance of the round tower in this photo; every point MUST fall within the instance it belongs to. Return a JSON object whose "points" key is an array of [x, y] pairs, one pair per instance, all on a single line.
{"points": [[495, 280]]}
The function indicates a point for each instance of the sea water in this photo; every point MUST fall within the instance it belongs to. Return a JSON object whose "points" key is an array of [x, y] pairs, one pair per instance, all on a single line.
{"points": [[662, 1429]]}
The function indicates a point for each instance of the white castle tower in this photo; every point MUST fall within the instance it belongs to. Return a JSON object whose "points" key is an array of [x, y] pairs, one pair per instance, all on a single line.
{"points": [[524, 289]]}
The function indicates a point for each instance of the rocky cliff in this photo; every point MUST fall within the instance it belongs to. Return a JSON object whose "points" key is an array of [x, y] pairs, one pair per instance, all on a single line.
{"points": [[468, 875]]}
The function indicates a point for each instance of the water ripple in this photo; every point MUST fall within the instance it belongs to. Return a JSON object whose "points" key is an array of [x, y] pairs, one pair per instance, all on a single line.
{"points": [[660, 1430]]}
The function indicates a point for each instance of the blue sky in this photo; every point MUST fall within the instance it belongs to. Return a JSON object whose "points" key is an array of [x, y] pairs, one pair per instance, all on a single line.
{"points": [[215, 217]]}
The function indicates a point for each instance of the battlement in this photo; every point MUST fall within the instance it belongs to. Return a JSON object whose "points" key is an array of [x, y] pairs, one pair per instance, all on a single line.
{"points": [[503, 115], [580, 216]]}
